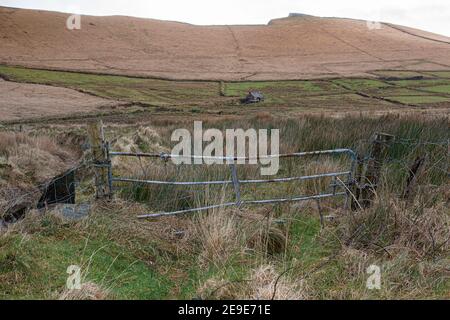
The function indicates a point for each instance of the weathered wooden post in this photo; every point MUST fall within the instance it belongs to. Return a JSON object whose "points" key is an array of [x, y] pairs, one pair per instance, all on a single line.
{"points": [[100, 160], [356, 190], [415, 172], [222, 89], [378, 153]]}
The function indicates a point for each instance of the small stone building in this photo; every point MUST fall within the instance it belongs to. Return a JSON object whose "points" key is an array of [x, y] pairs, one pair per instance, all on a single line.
{"points": [[253, 97]]}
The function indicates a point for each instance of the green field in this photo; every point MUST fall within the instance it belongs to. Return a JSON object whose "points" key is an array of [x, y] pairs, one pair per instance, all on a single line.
{"points": [[278, 88], [362, 84], [440, 74], [282, 97], [152, 91], [439, 89], [410, 99]]}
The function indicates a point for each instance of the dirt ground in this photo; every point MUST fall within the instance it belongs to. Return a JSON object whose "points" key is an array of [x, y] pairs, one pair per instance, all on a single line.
{"points": [[290, 48], [21, 100]]}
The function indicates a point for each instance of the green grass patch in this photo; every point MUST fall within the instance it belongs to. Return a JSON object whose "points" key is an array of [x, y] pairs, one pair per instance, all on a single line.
{"points": [[242, 88], [419, 99], [305, 243], [152, 91], [399, 91], [41, 263], [439, 74], [361, 84], [438, 89], [284, 93], [420, 83]]}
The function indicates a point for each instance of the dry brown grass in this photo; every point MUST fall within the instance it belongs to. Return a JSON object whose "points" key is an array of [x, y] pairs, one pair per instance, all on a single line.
{"points": [[31, 223], [28, 161], [263, 117], [143, 136], [88, 291], [284, 49], [226, 233], [264, 283], [356, 261], [11, 141], [267, 284], [218, 289], [173, 235], [220, 237], [264, 237], [144, 139], [392, 227], [317, 186], [34, 158]]}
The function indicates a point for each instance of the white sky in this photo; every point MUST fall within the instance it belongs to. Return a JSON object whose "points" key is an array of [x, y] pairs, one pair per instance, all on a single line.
{"points": [[430, 15]]}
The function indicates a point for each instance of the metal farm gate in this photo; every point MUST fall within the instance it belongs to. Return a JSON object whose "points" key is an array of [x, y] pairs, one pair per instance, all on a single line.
{"points": [[340, 187]]}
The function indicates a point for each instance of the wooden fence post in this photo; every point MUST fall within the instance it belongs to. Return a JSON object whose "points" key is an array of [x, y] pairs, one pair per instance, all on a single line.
{"points": [[100, 159], [448, 158], [415, 172], [356, 190], [378, 153], [222, 89]]}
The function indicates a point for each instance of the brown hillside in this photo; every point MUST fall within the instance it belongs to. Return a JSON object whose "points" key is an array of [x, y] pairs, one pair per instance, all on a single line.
{"points": [[23, 100], [290, 48]]}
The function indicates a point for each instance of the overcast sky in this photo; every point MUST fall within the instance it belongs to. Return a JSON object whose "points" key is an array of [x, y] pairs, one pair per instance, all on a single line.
{"points": [[430, 15]]}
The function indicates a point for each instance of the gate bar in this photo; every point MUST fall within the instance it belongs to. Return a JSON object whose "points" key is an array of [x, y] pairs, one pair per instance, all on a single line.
{"points": [[187, 183], [247, 202], [285, 155]]}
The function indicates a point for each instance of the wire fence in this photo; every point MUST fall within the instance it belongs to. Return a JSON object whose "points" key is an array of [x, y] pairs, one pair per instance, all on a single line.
{"points": [[403, 152], [408, 166], [60, 189], [339, 187]]}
